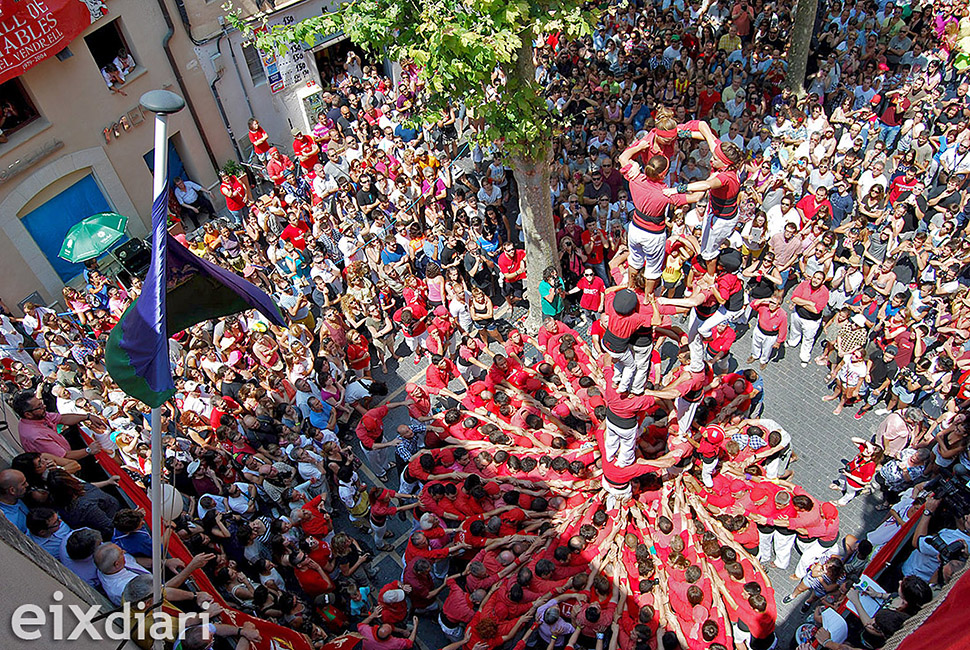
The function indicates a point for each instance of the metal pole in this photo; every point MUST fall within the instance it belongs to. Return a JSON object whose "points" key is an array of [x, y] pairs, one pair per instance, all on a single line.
{"points": [[162, 103], [159, 186]]}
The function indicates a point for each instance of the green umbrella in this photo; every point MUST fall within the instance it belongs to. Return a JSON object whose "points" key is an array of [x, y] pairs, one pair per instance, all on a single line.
{"points": [[93, 236]]}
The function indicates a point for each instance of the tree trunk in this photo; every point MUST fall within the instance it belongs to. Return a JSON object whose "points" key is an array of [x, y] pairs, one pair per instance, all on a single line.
{"points": [[535, 205], [801, 42], [535, 201]]}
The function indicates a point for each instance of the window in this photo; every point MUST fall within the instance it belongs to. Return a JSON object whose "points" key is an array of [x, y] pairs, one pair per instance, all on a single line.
{"points": [[256, 70], [111, 53], [17, 109]]}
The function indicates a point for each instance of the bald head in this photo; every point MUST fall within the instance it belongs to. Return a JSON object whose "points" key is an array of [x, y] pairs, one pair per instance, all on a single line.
{"points": [[109, 558], [506, 558], [13, 485]]}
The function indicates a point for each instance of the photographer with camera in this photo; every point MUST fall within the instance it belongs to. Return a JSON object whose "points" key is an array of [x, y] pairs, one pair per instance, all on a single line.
{"points": [[936, 557]]}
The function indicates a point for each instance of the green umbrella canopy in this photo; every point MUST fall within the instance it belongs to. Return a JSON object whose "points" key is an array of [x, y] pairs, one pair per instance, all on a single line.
{"points": [[93, 236]]}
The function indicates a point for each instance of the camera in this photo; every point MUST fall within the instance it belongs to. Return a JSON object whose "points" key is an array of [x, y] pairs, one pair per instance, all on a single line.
{"points": [[948, 552]]}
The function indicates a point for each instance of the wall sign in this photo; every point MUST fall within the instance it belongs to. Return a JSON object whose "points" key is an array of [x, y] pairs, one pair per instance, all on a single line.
{"points": [[33, 30], [289, 69], [132, 118], [29, 160]]}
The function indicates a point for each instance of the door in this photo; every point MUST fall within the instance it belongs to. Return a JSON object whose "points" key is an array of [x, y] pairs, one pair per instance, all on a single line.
{"points": [[49, 223]]}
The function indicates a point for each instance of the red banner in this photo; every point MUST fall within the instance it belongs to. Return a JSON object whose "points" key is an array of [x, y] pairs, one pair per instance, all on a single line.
{"points": [[34, 30], [273, 636]]}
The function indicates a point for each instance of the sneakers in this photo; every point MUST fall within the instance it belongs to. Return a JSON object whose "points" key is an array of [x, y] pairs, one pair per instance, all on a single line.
{"points": [[804, 364], [859, 414], [882, 411]]}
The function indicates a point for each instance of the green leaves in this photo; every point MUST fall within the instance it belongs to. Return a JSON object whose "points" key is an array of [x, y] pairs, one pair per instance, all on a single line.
{"points": [[458, 47]]}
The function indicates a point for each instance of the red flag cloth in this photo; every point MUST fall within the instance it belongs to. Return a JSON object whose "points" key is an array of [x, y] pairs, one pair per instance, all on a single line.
{"points": [[34, 30], [937, 632]]}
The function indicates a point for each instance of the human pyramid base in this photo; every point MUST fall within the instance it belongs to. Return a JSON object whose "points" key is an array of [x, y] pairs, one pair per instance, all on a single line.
{"points": [[605, 503]]}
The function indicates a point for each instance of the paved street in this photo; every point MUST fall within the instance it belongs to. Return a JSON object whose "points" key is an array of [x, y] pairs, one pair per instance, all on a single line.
{"points": [[793, 397]]}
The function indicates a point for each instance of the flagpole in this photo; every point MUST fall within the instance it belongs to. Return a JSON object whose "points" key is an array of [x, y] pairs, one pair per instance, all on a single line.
{"points": [[162, 103]]}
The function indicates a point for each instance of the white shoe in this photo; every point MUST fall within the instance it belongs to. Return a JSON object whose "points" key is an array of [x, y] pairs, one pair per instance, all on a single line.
{"points": [[882, 411], [804, 364]]}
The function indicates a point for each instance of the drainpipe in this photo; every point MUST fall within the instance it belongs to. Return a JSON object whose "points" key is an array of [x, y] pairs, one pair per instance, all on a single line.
{"points": [[222, 108], [166, 45], [235, 65]]}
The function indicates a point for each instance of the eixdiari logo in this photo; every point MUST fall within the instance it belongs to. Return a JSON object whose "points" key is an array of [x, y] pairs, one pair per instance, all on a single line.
{"points": [[73, 622]]}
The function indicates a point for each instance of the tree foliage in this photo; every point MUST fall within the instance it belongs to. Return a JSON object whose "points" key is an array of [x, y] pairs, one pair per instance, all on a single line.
{"points": [[462, 50]]}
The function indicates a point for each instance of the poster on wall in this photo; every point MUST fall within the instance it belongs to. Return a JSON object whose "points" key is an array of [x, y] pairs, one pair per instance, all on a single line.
{"points": [[288, 69], [34, 30]]}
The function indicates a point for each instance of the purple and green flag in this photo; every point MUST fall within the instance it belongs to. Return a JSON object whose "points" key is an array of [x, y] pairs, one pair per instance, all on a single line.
{"points": [[194, 290]]}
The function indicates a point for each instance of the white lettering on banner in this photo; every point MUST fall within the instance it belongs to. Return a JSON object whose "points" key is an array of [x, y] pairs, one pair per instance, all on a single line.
{"points": [[38, 29]]}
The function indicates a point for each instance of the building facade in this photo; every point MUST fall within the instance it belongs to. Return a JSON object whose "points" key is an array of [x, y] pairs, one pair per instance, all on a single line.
{"points": [[72, 145], [73, 140], [282, 91]]}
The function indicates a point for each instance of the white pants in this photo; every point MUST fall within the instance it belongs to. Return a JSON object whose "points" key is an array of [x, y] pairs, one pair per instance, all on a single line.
{"points": [[782, 545], [714, 233], [848, 493], [707, 472], [624, 369], [378, 459], [776, 466], [615, 495], [803, 330], [620, 443], [407, 487], [685, 415], [647, 251], [453, 633], [762, 344], [378, 533], [699, 329], [811, 552], [641, 361], [415, 343]]}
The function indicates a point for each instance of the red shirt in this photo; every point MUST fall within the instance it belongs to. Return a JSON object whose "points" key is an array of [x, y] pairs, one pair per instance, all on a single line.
{"points": [[514, 266], [597, 252], [312, 582], [295, 234], [818, 297], [723, 338], [419, 326], [318, 525], [648, 198], [592, 291], [370, 429], [392, 613], [706, 102], [810, 206], [256, 135], [437, 379], [458, 607], [773, 321], [235, 194], [301, 147], [900, 185]]}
